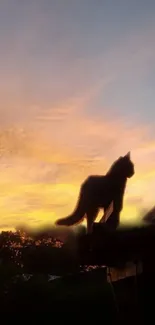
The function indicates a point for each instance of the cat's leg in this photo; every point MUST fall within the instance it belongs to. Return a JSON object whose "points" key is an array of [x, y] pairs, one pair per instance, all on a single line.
{"points": [[114, 219], [91, 216]]}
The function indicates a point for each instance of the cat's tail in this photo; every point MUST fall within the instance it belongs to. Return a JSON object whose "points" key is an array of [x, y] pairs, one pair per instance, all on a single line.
{"points": [[76, 216]]}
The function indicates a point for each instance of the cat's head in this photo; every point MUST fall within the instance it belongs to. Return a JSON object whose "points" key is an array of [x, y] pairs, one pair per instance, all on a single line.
{"points": [[123, 167], [127, 165]]}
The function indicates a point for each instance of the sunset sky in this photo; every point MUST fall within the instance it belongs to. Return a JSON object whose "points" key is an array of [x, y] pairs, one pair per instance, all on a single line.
{"points": [[77, 85]]}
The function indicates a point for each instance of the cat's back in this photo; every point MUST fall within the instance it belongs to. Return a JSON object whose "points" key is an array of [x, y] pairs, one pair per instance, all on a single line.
{"points": [[96, 182]]}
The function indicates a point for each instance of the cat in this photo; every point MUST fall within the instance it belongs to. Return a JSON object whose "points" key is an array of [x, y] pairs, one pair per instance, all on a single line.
{"points": [[98, 191]]}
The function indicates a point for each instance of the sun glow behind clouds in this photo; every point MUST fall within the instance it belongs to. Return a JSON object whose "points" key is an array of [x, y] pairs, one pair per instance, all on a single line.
{"points": [[68, 72], [42, 168]]}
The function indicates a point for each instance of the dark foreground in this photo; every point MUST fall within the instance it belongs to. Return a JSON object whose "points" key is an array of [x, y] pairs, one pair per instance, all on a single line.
{"points": [[26, 287], [81, 295]]}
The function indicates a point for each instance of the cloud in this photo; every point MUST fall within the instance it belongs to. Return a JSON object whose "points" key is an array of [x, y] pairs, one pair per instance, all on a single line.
{"points": [[41, 177], [48, 149]]}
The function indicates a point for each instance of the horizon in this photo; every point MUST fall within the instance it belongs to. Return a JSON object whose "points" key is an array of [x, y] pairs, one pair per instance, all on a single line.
{"points": [[77, 91]]}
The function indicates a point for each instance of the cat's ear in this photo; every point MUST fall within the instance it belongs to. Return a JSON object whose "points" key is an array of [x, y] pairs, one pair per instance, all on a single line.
{"points": [[127, 155]]}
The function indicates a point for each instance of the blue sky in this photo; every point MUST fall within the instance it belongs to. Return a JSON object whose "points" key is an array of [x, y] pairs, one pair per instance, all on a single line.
{"points": [[76, 89], [53, 50]]}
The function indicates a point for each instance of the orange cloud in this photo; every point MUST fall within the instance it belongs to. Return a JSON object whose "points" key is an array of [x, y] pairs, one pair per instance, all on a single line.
{"points": [[40, 178]]}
